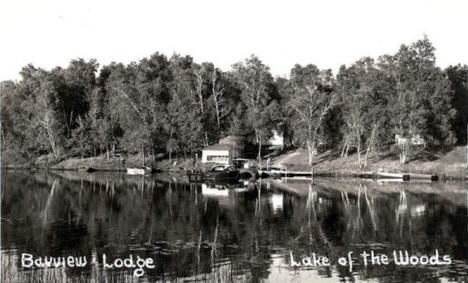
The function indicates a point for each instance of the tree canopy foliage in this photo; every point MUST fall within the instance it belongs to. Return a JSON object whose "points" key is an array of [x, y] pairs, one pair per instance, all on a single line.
{"points": [[175, 105]]}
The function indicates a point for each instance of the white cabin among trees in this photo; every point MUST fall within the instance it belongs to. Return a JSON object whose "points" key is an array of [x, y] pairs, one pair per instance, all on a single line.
{"points": [[225, 151], [414, 140], [217, 153], [276, 140]]}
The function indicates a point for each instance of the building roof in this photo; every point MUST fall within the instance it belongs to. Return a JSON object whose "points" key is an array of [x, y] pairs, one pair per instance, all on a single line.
{"points": [[236, 143], [233, 140], [218, 147]]}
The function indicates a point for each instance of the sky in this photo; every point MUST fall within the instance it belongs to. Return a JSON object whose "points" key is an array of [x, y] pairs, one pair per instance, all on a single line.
{"points": [[282, 33]]}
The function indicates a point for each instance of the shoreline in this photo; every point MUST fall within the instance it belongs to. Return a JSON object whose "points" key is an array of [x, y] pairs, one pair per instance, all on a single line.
{"points": [[449, 166], [323, 174]]}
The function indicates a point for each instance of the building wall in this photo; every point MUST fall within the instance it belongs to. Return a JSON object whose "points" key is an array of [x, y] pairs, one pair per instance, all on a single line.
{"points": [[276, 140], [415, 140], [219, 156]]}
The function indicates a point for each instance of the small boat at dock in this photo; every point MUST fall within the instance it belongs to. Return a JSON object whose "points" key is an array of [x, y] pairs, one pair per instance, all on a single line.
{"points": [[396, 180], [228, 173], [390, 175], [139, 171], [222, 172], [274, 172], [87, 169], [407, 176]]}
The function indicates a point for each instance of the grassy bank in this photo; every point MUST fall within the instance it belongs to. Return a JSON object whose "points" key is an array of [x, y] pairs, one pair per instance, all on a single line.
{"points": [[449, 164], [99, 163], [102, 163]]}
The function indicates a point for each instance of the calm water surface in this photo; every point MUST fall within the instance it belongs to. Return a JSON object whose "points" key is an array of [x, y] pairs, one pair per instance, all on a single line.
{"points": [[228, 233]]}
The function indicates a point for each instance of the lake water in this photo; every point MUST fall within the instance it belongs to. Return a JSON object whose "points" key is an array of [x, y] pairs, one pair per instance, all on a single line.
{"points": [[229, 232]]}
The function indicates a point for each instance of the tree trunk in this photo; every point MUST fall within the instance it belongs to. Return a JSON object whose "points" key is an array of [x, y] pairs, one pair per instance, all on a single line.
{"points": [[199, 88], [81, 147], [358, 140], [344, 148], [359, 153], [217, 109], [259, 152], [143, 154], [201, 102], [259, 142], [51, 139], [370, 145], [217, 92], [404, 152], [311, 150]]}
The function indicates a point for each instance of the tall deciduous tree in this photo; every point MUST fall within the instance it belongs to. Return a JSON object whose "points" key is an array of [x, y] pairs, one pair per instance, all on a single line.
{"points": [[256, 84], [44, 103], [421, 102], [363, 105], [458, 76], [312, 99]]}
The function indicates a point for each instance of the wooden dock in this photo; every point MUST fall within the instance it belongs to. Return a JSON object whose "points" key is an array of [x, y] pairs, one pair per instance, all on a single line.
{"points": [[284, 174], [307, 174], [368, 174]]}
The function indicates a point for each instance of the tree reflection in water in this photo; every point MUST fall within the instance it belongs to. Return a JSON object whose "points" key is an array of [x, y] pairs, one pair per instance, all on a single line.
{"points": [[227, 232]]}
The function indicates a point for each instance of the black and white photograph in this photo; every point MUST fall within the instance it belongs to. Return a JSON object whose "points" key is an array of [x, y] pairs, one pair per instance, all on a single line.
{"points": [[233, 141]]}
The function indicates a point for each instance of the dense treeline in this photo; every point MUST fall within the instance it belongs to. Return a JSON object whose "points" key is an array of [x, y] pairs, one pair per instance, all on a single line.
{"points": [[173, 105]]}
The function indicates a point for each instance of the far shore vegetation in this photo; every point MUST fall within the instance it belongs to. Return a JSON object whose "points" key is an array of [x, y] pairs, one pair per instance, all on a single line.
{"points": [[399, 107]]}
